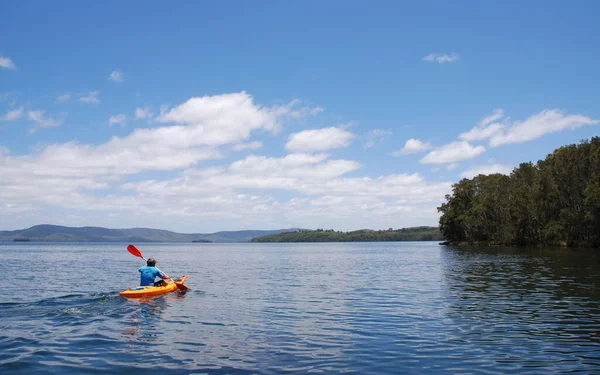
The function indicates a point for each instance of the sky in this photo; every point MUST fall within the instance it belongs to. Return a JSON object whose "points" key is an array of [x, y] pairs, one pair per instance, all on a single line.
{"points": [[201, 116]]}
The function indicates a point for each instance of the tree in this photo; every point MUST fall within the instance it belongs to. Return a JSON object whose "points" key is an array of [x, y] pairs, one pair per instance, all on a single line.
{"points": [[554, 201]]}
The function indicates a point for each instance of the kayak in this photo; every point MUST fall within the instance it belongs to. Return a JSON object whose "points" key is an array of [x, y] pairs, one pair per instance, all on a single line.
{"points": [[147, 291]]}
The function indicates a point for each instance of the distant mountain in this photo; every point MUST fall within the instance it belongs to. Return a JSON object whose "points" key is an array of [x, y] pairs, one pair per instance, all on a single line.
{"points": [[57, 233]]}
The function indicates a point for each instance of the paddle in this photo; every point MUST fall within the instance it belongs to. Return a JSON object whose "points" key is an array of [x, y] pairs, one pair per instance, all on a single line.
{"points": [[135, 252]]}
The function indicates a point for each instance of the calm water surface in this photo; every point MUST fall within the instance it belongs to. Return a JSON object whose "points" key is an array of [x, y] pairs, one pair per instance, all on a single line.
{"points": [[364, 308]]}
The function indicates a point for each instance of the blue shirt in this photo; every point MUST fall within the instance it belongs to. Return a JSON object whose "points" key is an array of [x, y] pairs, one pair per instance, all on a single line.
{"points": [[148, 274]]}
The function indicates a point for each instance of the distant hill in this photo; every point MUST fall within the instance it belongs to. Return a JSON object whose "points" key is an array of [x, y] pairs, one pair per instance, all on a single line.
{"points": [[363, 235], [57, 233]]}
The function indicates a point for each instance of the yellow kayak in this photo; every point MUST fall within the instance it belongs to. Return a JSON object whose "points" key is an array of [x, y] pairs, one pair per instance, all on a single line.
{"points": [[147, 291]]}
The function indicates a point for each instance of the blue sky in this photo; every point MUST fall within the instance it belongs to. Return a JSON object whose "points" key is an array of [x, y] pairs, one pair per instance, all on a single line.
{"points": [[199, 116]]}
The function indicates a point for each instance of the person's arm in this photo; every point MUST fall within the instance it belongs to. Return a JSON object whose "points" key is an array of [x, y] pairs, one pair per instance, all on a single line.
{"points": [[162, 274]]}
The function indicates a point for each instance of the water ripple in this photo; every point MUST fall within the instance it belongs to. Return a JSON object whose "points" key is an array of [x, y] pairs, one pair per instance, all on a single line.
{"points": [[394, 308]]}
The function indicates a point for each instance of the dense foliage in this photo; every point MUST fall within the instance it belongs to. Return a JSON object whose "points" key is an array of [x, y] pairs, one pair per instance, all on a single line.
{"points": [[553, 202], [329, 235]]}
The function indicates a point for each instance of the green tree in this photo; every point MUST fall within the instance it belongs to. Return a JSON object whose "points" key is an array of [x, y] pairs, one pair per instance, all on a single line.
{"points": [[554, 201]]}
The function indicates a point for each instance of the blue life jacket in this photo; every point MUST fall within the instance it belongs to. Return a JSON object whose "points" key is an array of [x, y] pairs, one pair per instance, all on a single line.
{"points": [[148, 274]]}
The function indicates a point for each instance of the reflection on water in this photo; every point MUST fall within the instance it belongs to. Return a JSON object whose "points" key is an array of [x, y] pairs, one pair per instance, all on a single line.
{"points": [[525, 309], [367, 308], [144, 322]]}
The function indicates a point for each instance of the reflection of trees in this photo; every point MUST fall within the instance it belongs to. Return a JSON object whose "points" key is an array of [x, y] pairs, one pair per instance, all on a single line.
{"points": [[517, 273], [509, 303]]}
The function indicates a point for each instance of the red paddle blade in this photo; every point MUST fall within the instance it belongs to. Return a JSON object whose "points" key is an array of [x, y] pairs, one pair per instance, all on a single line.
{"points": [[179, 283], [134, 251]]}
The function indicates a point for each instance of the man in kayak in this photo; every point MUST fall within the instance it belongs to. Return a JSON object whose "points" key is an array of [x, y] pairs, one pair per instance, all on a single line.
{"points": [[149, 272]]}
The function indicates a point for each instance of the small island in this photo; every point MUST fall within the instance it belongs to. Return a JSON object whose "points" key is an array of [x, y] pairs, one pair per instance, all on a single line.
{"points": [[364, 235], [555, 202]]}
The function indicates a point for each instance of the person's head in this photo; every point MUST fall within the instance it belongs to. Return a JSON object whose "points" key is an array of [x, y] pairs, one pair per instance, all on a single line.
{"points": [[151, 262]]}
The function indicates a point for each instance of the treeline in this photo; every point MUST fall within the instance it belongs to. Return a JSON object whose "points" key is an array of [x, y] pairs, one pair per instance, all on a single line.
{"points": [[553, 202], [365, 235]]}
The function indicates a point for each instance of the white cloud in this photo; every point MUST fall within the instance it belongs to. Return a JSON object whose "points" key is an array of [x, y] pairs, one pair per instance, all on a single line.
{"points": [[311, 174], [508, 131], [247, 146], [91, 97], [117, 119], [376, 135], [116, 76], [222, 119], [492, 117], [7, 63], [142, 113], [486, 127], [13, 115], [102, 163], [479, 133], [545, 122], [413, 146], [243, 190], [287, 172], [315, 111], [442, 58], [163, 109], [170, 147], [301, 189], [487, 169], [453, 152], [42, 121], [303, 111], [319, 139], [63, 98], [451, 167], [213, 197], [79, 177]]}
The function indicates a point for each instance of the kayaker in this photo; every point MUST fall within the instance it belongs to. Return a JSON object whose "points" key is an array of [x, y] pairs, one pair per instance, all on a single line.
{"points": [[149, 272]]}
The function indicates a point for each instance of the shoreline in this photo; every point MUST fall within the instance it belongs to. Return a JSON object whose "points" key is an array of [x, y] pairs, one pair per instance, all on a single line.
{"points": [[561, 244]]}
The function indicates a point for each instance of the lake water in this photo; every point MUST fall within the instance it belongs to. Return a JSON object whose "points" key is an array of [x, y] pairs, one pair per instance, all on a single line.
{"points": [[364, 308]]}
